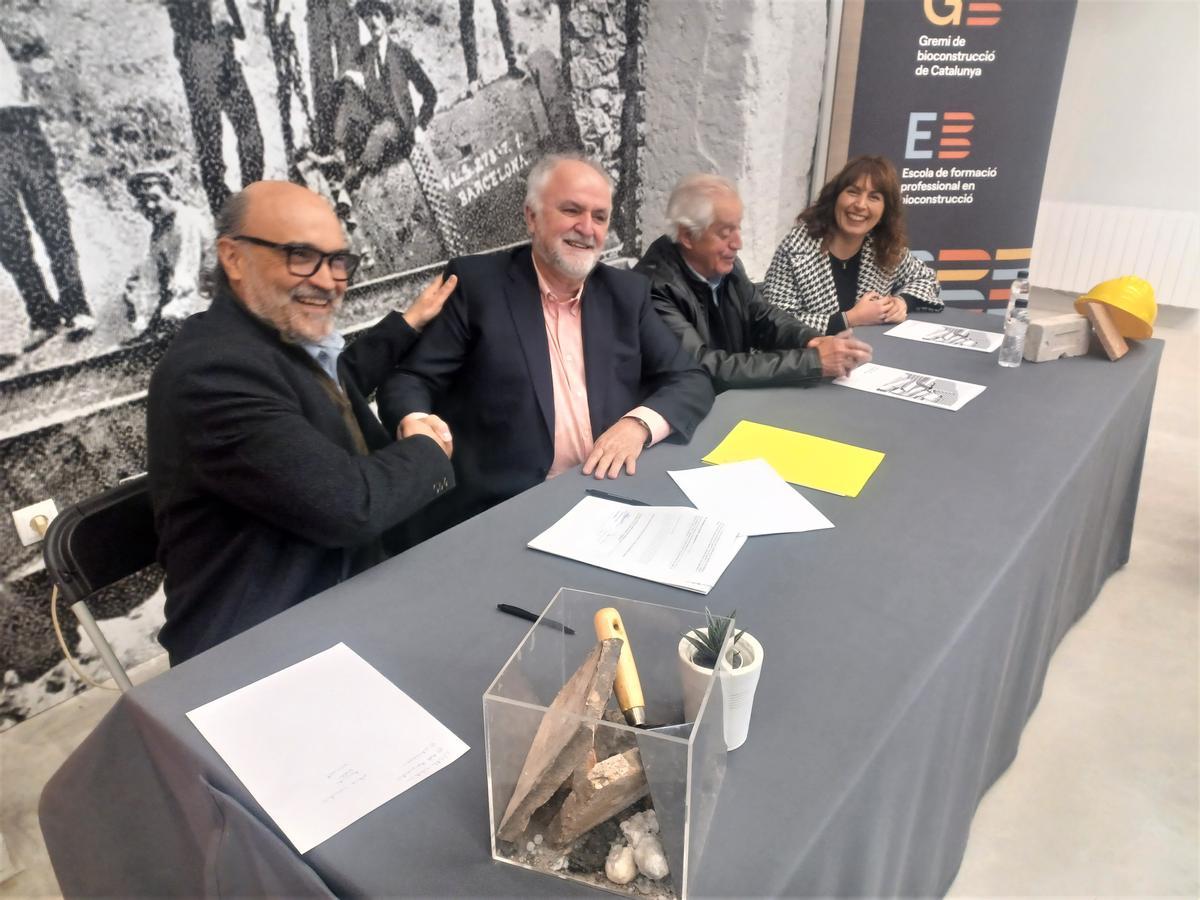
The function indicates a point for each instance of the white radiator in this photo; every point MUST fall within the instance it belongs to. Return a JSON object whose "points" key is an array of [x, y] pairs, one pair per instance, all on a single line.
{"points": [[1077, 245]]}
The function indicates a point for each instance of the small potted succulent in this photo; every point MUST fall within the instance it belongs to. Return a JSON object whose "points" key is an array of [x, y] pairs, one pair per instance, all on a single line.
{"points": [[739, 672]]}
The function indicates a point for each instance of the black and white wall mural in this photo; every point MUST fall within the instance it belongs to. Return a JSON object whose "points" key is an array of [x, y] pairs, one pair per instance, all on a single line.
{"points": [[123, 127]]}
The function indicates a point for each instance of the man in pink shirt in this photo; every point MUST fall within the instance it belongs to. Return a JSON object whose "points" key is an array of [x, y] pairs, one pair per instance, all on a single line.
{"points": [[543, 361]]}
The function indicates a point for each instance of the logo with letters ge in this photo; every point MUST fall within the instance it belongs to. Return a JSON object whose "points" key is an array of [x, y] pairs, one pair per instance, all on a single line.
{"points": [[950, 12], [951, 142]]}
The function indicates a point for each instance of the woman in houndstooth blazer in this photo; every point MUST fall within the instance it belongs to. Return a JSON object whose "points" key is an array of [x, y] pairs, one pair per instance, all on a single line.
{"points": [[845, 263]]}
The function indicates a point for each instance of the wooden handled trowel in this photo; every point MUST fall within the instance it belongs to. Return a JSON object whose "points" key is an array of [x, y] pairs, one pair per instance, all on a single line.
{"points": [[627, 685], [660, 759]]}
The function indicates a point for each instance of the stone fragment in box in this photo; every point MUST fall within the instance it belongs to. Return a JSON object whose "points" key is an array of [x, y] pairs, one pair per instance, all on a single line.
{"points": [[1055, 335]]}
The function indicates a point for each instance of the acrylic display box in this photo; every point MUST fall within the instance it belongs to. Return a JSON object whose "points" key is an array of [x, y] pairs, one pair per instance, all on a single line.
{"points": [[574, 791]]}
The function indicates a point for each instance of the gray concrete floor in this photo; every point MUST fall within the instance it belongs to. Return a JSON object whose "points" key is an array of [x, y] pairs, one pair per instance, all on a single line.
{"points": [[1102, 799]]}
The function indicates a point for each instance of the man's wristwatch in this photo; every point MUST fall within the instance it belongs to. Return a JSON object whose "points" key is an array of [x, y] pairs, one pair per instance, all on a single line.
{"points": [[649, 433]]}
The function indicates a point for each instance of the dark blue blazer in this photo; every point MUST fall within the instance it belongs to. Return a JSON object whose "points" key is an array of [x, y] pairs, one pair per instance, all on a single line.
{"points": [[483, 365]]}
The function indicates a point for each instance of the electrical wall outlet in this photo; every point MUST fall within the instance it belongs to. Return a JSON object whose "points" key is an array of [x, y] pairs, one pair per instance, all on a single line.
{"points": [[23, 519]]}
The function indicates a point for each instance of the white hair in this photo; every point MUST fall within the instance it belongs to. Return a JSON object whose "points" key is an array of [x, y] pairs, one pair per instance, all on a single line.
{"points": [[540, 174], [692, 203]]}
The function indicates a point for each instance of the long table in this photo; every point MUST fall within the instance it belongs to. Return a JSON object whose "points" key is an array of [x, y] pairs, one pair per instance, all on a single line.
{"points": [[904, 651]]}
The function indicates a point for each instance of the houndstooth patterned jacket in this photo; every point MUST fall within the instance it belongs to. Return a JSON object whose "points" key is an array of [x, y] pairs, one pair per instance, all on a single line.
{"points": [[800, 282]]}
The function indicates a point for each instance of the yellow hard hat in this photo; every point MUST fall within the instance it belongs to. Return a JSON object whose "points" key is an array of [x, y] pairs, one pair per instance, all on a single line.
{"points": [[1130, 302]]}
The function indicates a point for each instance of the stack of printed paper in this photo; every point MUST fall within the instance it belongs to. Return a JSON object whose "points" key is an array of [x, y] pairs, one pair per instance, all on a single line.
{"points": [[670, 544]]}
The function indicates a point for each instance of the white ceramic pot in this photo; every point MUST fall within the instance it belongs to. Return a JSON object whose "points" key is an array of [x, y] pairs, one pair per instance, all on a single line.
{"points": [[737, 686]]}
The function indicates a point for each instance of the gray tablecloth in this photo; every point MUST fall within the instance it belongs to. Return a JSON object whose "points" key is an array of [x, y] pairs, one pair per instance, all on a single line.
{"points": [[905, 650]]}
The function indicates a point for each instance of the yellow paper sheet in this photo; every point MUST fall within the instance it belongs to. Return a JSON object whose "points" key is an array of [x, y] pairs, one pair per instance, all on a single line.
{"points": [[802, 459]]}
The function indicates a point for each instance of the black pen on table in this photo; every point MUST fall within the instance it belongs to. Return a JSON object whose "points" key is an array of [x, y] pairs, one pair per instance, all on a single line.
{"points": [[604, 495], [533, 617]]}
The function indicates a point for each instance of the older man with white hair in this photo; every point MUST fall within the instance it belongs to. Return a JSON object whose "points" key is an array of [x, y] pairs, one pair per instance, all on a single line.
{"points": [[703, 294], [545, 361]]}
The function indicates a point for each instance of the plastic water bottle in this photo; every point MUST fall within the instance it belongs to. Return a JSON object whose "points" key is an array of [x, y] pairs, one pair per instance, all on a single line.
{"points": [[1016, 322]]}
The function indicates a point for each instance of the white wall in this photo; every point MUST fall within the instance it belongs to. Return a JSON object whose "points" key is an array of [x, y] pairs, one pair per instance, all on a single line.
{"points": [[1125, 133], [734, 87], [1122, 187]]}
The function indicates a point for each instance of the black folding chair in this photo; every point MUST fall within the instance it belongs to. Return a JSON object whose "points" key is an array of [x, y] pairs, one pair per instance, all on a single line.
{"points": [[96, 543]]}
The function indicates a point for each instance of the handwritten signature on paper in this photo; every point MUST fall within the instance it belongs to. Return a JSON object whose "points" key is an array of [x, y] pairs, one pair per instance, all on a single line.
{"points": [[427, 759], [341, 779]]}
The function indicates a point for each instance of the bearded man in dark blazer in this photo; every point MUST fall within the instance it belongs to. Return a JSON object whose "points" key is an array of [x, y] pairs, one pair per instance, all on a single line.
{"points": [[544, 362], [271, 478]]}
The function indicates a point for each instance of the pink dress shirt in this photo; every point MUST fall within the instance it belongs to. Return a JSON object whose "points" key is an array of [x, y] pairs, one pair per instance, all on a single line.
{"points": [[573, 439]]}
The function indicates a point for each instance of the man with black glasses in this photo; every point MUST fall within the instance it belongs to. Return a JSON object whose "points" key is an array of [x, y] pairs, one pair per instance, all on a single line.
{"points": [[271, 478]]}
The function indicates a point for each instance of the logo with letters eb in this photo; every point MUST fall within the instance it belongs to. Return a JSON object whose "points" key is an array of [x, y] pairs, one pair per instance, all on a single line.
{"points": [[951, 141]]}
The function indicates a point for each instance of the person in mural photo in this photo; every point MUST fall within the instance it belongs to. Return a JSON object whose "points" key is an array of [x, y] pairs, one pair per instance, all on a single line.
{"points": [[213, 82], [30, 186], [377, 122], [332, 48], [466, 30], [845, 263], [165, 289], [289, 79], [270, 476], [705, 296], [545, 361]]}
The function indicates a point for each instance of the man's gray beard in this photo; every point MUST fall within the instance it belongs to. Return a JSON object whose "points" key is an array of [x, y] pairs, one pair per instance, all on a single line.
{"points": [[259, 287], [576, 270]]}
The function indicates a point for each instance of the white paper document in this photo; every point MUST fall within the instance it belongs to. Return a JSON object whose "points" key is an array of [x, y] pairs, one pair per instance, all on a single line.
{"points": [[323, 742], [751, 497], [670, 544], [944, 393], [947, 335]]}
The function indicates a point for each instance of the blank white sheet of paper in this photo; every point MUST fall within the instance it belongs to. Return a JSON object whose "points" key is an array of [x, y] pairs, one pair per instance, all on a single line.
{"points": [[750, 496], [673, 545], [325, 741]]}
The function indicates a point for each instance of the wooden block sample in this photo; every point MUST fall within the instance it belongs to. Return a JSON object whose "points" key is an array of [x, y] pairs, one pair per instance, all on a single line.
{"points": [[1106, 330], [562, 742], [599, 794]]}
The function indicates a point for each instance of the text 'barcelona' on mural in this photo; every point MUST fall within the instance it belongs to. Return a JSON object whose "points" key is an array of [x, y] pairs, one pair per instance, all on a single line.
{"points": [[488, 169]]}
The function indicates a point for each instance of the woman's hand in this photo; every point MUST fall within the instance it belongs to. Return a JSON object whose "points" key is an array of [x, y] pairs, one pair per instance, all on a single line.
{"points": [[864, 311], [873, 308], [897, 309], [869, 309]]}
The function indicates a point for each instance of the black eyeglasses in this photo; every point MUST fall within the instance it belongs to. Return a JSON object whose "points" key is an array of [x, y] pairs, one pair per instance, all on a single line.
{"points": [[303, 261]]}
